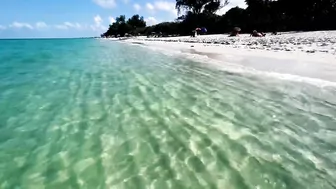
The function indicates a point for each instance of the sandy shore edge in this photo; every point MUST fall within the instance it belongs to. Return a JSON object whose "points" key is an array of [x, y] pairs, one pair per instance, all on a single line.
{"points": [[317, 66]]}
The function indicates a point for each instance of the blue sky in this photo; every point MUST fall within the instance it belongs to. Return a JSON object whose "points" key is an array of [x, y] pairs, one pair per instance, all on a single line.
{"points": [[79, 18]]}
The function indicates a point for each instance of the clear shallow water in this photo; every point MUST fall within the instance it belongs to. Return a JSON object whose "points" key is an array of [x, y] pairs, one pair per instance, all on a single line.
{"points": [[98, 114]]}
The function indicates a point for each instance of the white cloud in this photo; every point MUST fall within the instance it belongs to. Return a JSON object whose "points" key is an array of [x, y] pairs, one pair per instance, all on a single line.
{"points": [[105, 3], [126, 1], [98, 26], [232, 3], [69, 25], [41, 25], [151, 21], [72, 25], [149, 6], [2, 27], [137, 7], [21, 25], [111, 19], [98, 20], [165, 6]]}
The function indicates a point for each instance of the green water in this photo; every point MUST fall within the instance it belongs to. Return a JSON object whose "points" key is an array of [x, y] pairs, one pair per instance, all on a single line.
{"points": [[99, 114]]}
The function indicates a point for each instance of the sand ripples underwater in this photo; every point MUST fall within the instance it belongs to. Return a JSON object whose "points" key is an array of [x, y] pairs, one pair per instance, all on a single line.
{"points": [[96, 114]]}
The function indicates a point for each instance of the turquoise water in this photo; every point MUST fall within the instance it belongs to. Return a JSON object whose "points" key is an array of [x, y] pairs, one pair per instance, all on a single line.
{"points": [[100, 114]]}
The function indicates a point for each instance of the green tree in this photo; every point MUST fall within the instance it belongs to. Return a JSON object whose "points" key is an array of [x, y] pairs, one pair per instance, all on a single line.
{"points": [[234, 17], [199, 6], [121, 19], [119, 27], [136, 21]]}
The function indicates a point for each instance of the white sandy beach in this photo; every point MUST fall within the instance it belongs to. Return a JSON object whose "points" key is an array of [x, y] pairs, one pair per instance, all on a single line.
{"points": [[308, 56]]}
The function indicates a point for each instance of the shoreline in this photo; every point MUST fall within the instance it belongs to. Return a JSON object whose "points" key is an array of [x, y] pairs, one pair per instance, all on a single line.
{"points": [[312, 66], [323, 42]]}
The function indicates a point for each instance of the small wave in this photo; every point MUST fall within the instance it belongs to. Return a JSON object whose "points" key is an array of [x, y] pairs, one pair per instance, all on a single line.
{"points": [[237, 68]]}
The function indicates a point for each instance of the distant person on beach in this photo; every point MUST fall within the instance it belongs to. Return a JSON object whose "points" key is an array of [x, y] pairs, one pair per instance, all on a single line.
{"points": [[257, 34], [197, 31], [235, 32], [193, 33]]}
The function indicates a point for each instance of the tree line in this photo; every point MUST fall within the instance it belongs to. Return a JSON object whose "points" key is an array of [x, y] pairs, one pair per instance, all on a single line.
{"points": [[261, 15]]}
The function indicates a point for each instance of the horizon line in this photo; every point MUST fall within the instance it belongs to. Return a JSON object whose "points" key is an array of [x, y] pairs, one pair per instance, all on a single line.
{"points": [[19, 38]]}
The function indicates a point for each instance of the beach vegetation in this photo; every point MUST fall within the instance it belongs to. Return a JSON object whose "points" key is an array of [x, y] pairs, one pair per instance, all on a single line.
{"points": [[133, 26], [262, 15]]}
